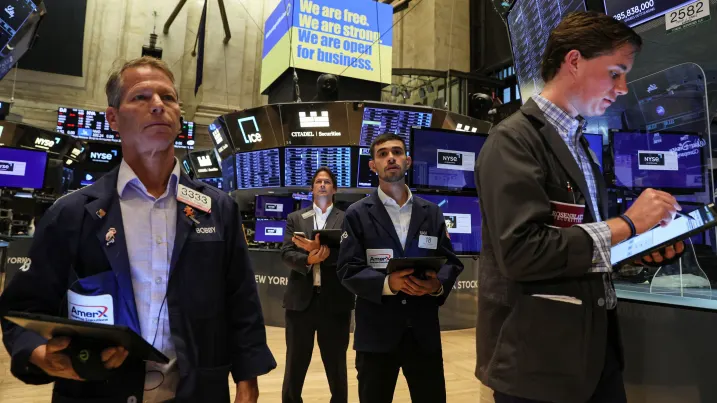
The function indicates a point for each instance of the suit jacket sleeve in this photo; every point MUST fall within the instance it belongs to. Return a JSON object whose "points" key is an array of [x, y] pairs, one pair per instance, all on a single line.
{"points": [[251, 356], [355, 274], [517, 212], [449, 272], [41, 289], [293, 256]]}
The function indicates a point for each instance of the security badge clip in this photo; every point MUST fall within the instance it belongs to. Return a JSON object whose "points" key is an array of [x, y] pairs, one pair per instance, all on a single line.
{"points": [[189, 212], [110, 236]]}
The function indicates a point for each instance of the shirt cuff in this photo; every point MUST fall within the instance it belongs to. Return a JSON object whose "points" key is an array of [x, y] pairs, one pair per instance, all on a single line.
{"points": [[439, 292], [601, 236], [387, 288]]}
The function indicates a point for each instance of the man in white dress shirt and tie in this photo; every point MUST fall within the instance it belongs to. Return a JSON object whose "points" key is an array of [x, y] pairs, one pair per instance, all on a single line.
{"points": [[315, 300]]}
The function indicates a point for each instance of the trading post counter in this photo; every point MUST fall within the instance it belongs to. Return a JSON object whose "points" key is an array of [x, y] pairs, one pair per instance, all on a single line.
{"points": [[272, 276]]}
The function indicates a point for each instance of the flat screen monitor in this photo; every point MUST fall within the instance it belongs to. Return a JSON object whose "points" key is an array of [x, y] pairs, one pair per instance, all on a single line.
{"points": [[379, 119], [21, 168], [220, 138], [102, 157], [635, 12], [216, 182], [315, 124], [85, 124], [259, 169], [669, 161], [229, 174], [595, 142], [185, 139], [205, 164], [32, 137], [273, 206], [270, 231], [302, 163], [82, 177], [254, 129], [529, 25], [463, 221], [18, 28], [444, 159], [305, 199]]}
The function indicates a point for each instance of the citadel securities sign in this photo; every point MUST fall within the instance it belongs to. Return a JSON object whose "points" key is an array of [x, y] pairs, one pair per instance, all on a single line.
{"points": [[348, 38]]}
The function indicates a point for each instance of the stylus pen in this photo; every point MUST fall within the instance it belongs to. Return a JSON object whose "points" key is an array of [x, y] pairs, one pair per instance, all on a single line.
{"points": [[681, 214]]}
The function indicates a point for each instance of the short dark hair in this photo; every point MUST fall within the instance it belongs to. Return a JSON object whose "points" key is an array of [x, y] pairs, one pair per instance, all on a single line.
{"points": [[328, 172], [591, 33], [384, 138]]}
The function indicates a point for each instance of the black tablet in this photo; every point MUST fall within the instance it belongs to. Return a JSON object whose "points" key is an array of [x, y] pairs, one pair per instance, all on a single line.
{"points": [[52, 326], [328, 237], [420, 265], [679, 229]]}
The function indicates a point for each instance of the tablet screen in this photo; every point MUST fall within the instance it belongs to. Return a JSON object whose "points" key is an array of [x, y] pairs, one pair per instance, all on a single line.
{"points": [[680, 226]]}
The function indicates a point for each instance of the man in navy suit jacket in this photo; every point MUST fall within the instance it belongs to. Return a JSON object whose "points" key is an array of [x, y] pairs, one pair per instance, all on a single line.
{"points": [[396, 315]]}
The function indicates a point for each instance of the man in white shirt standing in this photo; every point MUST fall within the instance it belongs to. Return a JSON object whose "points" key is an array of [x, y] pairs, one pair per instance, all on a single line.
{"points": [[397, 324], [315, 301], [158, 253]]}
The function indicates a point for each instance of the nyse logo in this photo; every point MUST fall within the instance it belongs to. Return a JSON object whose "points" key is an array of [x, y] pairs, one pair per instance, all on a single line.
{"points": [[44, 143], [314, 119], [6, 166], [652, 159], [274, 207], [273, 231], [10, 10], [204, 161], [448, 158], [102, 157], [249, 130], [651, 88]]}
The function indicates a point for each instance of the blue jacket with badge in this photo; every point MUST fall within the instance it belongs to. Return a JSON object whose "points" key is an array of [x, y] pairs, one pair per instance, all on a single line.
{"points": [[214, 311], [382, 320]]}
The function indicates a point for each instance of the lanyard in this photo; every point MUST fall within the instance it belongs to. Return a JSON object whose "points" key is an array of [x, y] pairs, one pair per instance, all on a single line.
{"points": [[316, 224]]}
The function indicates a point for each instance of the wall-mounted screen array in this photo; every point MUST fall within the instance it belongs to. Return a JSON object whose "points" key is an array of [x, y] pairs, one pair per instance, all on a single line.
{"points": [[378, 120], [463, 221], [229, 174], [90, 125], [529, 24], [216, 182], [302, 162], [445, 159], [258, 169], [21, 168], [669, 161]]}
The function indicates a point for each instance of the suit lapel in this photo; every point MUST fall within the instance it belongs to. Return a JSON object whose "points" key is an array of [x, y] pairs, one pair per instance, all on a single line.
{"points": [[333, 220], [184, 225], [418, 216], [115, 251], [380, 215], [561, 151]]}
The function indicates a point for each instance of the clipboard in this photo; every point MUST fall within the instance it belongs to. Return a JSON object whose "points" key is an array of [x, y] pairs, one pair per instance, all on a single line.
{"points": [[52, 326], [328, 237], [420, 265]]}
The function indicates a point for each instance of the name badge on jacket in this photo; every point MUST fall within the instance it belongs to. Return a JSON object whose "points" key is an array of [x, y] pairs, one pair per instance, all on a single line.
{"points": [[565, 215], [378, 258], [94, 309], [428, 242]]}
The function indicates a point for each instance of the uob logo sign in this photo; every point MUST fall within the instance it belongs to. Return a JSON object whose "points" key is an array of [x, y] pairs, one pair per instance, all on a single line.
{"points": [[249, 131]]}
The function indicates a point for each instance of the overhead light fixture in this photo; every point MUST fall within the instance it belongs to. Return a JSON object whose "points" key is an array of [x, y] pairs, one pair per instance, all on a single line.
{"points": [[406, 93], [394, 91], [422, 93]]}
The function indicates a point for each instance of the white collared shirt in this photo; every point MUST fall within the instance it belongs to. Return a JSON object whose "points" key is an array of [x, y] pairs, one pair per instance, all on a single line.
{"points": [[319, 224], [150, 226], [401, 219]]}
